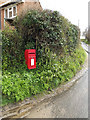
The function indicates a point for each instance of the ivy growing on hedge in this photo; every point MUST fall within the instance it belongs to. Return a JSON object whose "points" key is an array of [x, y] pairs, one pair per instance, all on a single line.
{"points": [[48, 28], [39, 30], [56, 41], [18, 85]]}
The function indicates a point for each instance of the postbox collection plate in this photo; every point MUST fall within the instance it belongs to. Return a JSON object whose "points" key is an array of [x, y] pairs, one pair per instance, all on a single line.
{"points": [[32, 62]]}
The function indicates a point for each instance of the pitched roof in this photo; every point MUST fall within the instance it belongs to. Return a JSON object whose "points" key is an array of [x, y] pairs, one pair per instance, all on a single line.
{"points": [[6, 2]]}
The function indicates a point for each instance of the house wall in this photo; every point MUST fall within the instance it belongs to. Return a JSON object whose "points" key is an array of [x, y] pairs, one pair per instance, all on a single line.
{"points": [[2, 19], [21, 9], [3, 23]]}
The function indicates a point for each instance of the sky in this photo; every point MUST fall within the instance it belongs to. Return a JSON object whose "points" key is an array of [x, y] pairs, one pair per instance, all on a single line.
{"points": [[76, 11]]}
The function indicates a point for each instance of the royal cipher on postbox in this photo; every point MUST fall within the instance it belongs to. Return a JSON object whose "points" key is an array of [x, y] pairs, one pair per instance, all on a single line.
{"points": [[30, 58]]}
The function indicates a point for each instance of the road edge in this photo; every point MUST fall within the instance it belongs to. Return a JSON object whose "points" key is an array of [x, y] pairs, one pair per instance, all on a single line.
{"points": [[62, 88], [23, 108]]}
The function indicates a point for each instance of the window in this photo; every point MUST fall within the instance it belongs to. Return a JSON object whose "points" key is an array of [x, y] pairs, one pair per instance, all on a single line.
{"points": [[6, 14], [14, 11], [10, 12]]}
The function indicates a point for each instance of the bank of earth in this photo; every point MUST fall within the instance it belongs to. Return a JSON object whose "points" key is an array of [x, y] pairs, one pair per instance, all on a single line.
{"points": [[65, 70], [21, 109]]}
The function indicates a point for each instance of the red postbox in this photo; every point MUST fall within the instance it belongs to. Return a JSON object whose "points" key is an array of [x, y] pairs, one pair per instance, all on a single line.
{"points": [[30, 57]]}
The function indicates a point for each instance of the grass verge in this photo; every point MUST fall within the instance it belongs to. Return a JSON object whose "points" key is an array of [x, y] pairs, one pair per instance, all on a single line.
{"points": [[86, 41]]}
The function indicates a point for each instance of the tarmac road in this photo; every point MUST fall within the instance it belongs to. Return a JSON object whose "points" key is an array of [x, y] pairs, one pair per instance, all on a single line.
{"points": [[71, 104]]}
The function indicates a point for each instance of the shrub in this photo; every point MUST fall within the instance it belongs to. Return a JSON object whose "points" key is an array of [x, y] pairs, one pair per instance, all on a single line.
{"points": [[48, 29], [17, 86], [56, 42], [11, 48], [48, 32]]}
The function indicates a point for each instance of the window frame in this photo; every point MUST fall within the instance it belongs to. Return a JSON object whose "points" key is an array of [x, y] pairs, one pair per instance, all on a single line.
{"points": [[8, 12]]}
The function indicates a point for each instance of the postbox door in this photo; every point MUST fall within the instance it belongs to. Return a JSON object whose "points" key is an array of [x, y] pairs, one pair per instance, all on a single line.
{"points": [[31, 61]]}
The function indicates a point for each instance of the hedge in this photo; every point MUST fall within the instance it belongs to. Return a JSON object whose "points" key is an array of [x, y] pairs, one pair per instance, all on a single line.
{"points": [[59, 57], [39, 30], [21, 84]]}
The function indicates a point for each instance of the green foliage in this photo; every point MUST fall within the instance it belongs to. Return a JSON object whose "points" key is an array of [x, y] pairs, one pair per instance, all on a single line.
{"points": [[48, 28], [86, 41], [21, 84], [11, 48], [56, 42], [48, 32]]}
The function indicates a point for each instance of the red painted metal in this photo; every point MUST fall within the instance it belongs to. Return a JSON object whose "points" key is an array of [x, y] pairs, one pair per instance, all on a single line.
{"points": [[30, 57]]}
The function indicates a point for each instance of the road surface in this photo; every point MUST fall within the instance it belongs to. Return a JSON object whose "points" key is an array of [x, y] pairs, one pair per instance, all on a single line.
{"points": [[71, 104]]}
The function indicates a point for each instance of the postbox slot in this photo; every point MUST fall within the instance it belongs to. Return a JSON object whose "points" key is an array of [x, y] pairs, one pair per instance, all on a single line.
{"points": [[31, 53]]}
